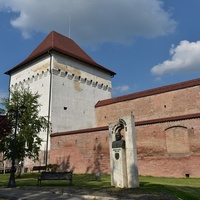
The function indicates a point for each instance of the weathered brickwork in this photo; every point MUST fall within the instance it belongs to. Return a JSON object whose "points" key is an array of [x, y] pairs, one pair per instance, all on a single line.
{"points": [[167, 129], [169, 104], [167, 166], [83, 152], [169, 149]]}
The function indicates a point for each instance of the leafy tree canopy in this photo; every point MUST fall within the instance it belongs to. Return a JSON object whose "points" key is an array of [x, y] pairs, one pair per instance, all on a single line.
{"points": [[29, 125], [5, 127]]}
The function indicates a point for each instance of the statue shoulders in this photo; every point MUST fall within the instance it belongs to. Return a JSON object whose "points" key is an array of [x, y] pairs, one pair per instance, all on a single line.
{"points": [[118, 144]]}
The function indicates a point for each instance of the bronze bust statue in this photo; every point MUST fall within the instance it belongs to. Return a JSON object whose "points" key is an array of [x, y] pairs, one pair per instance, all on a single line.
{"points": [[118, 143]]}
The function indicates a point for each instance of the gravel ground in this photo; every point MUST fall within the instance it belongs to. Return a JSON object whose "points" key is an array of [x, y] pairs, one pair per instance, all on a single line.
{"points": [[105, 192]]}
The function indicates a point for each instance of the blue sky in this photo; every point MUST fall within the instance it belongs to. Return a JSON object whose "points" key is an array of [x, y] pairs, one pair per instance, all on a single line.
{"points": [[148, 43]]}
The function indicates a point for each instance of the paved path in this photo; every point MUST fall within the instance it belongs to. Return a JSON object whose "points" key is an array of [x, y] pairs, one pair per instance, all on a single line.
{"points": [[20, 194]]}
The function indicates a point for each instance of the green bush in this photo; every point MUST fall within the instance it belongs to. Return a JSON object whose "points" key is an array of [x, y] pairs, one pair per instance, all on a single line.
{"points": [[52, 167]]}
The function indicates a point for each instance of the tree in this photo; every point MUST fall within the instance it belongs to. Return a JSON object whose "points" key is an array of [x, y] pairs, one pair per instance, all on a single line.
{"points": [[29, 125], [5, 127], [2, 111]]}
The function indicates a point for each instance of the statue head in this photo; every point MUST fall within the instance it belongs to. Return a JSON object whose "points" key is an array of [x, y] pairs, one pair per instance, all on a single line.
{"points": [[118, 136]]}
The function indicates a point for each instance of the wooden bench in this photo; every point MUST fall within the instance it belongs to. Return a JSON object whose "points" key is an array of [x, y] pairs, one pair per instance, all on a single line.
{"points": [[55, 176], [6, 170], [39, 168]]}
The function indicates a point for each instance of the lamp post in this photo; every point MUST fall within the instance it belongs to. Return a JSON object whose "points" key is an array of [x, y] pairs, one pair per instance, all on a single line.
{"points": [[16, 114]]}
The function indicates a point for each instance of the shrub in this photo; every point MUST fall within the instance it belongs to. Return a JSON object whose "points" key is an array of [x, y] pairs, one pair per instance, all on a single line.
{"points": [[52, 167]]}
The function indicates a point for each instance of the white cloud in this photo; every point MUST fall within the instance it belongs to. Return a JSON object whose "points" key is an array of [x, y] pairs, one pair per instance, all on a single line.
{"points": [[123, 88], [184, 58], [92, 21]]}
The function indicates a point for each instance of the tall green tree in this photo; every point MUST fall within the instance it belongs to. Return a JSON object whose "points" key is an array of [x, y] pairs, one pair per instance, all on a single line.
{"points": [[29, 125]]}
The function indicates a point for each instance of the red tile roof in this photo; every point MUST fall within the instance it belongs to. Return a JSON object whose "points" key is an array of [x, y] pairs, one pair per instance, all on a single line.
{"points": [[61, 44], [150, 92]]}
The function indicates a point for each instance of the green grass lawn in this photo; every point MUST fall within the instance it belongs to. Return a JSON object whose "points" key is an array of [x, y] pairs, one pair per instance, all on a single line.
{"points": [[184, 188]]}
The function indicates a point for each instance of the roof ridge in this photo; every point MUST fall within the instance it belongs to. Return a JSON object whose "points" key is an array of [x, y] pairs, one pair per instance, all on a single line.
{"points": [[54, 34], [63, 45], [52, 39]]}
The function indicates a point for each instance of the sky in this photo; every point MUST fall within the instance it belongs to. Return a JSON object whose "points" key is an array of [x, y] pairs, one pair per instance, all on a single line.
{"points": [[148, 43]]}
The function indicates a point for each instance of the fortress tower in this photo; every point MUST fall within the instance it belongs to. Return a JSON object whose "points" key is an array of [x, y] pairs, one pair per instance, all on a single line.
{"points": [[69, 81]]}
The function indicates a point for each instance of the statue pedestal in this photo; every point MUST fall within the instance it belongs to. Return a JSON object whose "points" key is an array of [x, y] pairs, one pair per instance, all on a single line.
{"points": [[119, 167], [123, 153]]}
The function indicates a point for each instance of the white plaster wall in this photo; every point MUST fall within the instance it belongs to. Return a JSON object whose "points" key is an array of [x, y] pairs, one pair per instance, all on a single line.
{"points": [[77, 88], [36, 77], [75, 67]]}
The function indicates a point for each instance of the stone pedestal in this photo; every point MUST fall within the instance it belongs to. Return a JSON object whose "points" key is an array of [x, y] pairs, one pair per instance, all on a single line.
{"points": [[124, 170], [119, 167]]}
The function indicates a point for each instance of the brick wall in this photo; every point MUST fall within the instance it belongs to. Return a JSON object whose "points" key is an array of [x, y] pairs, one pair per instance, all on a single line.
{"points": [[83, 152], [169, 149], [145, 106], [167, 129]]}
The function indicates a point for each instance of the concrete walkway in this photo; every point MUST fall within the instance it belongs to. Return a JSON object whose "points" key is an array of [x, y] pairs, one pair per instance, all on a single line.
{"points": [[20, 194]]}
